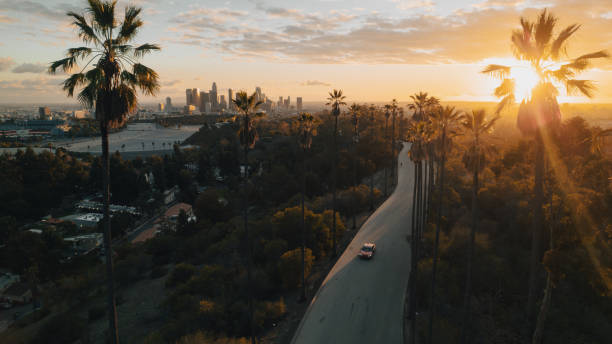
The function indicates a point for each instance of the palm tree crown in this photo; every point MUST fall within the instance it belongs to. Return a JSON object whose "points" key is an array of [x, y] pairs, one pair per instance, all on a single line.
{"points": [[547, 57], [476, 124], [306, 129], [247, 105], [336, 100], [114, 72]]}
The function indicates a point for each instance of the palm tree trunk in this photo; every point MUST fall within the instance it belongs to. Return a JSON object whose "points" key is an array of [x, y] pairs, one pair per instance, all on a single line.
{"points": [[537, 229], [437, 240], [393, 160], [246, 228], [465, 330], [372, 175], [386, 135], [413, 261], [334, 168], [303, 296], [354, 176], [108, 252]]}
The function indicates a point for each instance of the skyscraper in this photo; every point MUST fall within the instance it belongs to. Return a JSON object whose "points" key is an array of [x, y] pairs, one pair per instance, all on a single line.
{"points": [[44, 113], [188, 97], [230, 97], [195, 97], [213, 97], [222, 104], [204, 98], [168, 103], [160, 107], [299, 103], [258, 93]]}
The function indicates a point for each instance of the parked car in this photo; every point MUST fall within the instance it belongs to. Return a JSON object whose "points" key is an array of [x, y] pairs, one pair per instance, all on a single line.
{"points": [[367, 250]]}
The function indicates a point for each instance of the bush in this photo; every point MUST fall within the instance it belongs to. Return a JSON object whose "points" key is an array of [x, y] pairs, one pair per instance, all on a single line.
{"points": [[291, 267], [181, 274], [158, 271], [64, 328]]}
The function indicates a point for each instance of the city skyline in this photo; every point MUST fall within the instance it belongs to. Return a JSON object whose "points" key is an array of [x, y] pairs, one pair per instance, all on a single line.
{"points": [[374, 52]]}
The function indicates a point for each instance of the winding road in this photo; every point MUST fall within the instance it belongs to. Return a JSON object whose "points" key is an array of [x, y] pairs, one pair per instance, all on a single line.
{"points": [[363, 301]]}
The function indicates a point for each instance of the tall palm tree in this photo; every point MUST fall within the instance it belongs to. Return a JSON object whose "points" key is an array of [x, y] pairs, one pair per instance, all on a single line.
{"points": [[355, 111], [546, 54], [306, 128], [394, 113], [418, 136], [387, 114], [108, 82], [477, 125], [372, 118], [445, 120], [247, 107], [336, 100]]}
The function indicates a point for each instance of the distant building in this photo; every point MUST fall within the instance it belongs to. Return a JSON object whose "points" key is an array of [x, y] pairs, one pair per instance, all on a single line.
{"points": [[298, 101], [258, 97], [168, 104], [213, 97], [222, 103], [204, 98], [230, 97], [188, 97], [173, 212], [44, 113], [160, 107], [189, 109], [170, 194], [83, 244], [195, 97]]}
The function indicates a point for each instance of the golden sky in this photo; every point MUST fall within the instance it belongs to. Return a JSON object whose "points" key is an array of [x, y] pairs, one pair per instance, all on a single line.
{"points": [[373, 50]]}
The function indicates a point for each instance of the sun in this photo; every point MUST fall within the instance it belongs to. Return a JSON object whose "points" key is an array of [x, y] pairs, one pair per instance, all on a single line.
{"points": [[525, 79]]}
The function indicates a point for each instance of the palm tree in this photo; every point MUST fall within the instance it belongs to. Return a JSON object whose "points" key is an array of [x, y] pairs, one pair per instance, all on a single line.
{"points": [[110, 86], [354, 110], [477, 125], [387, 114], [596, 140], [246, 106], [548, 61], [444, 120], [418, 136], [306, 129], [372, 111], [336, 100], [394, 111]]}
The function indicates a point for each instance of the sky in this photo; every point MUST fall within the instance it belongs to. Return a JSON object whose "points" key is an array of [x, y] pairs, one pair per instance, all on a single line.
{"points": [[372, 50]]}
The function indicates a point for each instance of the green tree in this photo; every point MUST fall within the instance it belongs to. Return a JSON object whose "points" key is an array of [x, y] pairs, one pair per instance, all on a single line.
{"points": [[355, 112], [110, 86], [475, 124], [336, 100], [547, 57], [246, 106], [290, 268]]}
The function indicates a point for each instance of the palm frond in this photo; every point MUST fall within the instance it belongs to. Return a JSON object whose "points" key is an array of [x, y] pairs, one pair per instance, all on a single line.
{"points": [[595, 55], [75, 80], [544, 29], [66, 64], [131, 24], [103, 14], [558, 46], [86, 32], [79, 53], [497, 71], [146, 79], [87, 96], [144, 49], [505, 88], [586, 87]]}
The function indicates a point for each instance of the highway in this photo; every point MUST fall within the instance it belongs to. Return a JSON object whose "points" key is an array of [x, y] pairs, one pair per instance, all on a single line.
{"points": [[362, 301]]}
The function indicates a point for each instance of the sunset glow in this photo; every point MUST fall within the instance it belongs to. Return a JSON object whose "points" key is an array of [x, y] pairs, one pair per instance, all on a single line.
{"points": [[525, 79]]}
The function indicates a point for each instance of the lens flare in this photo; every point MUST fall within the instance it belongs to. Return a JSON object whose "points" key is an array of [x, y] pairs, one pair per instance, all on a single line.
{"points": [[525, 79]]}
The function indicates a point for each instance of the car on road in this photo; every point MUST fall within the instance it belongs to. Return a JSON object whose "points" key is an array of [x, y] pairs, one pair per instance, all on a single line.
{"points": [[367, 250]]}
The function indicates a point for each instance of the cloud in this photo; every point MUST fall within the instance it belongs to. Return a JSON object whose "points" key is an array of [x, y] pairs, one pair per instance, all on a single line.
{"points": [[426, 5], [171, 83], [315, 83], [57, 12], [30, 68], [40, 84], [7, 20], [6, 63]]}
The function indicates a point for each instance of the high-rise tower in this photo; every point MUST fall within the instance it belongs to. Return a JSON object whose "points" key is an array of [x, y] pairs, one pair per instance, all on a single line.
{"points": [[188, 97], [213, 97], [299, 103]]}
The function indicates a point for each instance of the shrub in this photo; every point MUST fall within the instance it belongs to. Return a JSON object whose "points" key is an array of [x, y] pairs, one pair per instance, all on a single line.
{"points": [[291, 267], [96, 313], [181, 274]]}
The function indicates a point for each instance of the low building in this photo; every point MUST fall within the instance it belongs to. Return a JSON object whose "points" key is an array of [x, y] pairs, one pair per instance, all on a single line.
{"points": [[170, 194], [172, 214], [83, 244]]}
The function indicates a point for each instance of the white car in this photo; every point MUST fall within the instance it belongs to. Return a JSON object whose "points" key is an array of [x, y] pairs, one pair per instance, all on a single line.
{"points": [[367, 250]]}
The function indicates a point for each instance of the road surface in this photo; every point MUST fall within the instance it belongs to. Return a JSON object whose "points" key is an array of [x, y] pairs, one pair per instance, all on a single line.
{"points": [[363, 301]]}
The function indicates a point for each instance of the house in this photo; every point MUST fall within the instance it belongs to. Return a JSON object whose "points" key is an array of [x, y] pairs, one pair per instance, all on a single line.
{"points": [[172, 214], [83, 244], [170, 194], [18, 293]]}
